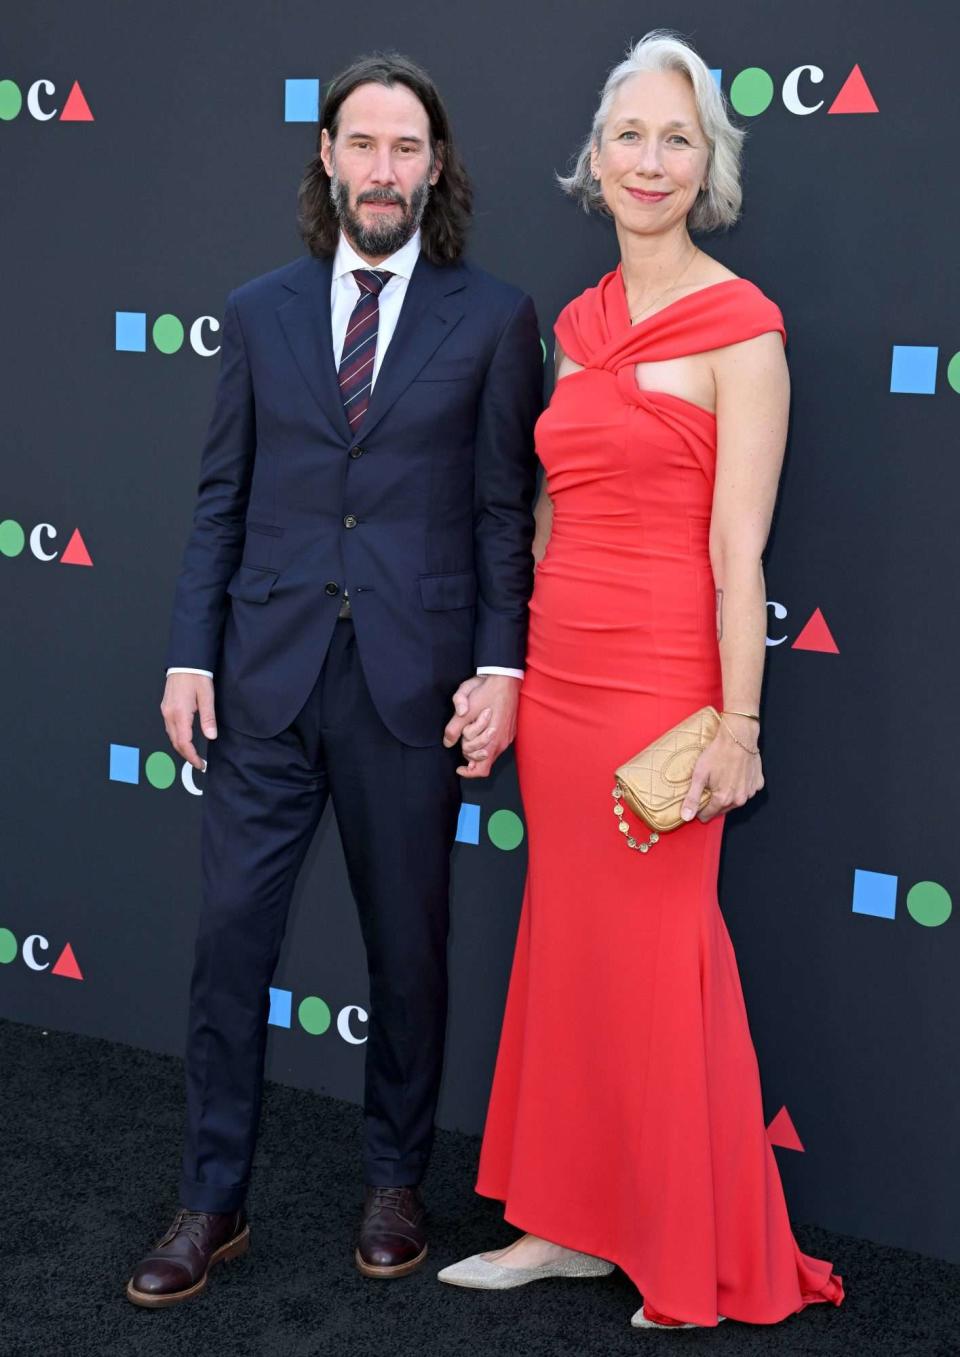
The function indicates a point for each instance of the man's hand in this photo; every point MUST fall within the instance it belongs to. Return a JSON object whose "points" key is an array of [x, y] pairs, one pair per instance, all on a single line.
{"points": [[485, 719], [183, 697]]}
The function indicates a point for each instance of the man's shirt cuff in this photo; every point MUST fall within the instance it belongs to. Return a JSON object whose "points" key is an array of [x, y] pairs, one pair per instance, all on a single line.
{"points": [[498, 669]]}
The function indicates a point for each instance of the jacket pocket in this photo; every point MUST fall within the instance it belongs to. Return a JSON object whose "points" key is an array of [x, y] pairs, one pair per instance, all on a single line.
{"points": [[252, 584], [447, 370], [269, 528], [440, 592]]}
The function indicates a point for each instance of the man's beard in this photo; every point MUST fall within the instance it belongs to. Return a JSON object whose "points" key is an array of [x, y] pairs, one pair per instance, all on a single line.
{"points": [[381, 238]]}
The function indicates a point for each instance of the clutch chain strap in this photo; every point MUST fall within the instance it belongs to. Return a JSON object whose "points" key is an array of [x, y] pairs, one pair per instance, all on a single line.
{"points": [[624, 826]]}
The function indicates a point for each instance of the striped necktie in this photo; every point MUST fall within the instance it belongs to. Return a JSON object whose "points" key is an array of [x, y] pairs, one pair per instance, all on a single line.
{"points": [[360, 345]]}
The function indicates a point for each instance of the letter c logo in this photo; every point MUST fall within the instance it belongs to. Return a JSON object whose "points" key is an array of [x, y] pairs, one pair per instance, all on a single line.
{"points": [[35, 545], [33, 100], [779, 612], [196, 335], [29, 946], [343, 1023], [791, 92]]}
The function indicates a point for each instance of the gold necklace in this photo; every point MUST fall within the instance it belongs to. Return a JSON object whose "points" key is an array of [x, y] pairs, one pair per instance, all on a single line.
{"points": [[669, 288]]}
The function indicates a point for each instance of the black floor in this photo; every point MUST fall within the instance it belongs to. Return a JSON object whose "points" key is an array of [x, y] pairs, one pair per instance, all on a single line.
{"points": [[89, 1138]]}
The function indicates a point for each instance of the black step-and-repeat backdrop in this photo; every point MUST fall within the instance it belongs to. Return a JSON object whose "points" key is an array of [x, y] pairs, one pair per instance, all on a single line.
{"points": [[150, 158]]}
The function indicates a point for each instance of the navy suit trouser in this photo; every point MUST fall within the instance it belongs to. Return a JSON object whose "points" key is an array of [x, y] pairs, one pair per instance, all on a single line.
{"points": [[396, 808]]}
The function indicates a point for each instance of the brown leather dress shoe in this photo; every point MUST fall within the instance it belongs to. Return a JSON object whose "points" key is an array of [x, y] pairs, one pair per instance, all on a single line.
{"points": [[177, 1267], [393, 1239]]}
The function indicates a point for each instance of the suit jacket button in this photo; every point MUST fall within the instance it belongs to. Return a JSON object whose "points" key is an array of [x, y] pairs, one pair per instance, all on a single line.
{"points": [[357, 452], [331, 589], [350, 521]]}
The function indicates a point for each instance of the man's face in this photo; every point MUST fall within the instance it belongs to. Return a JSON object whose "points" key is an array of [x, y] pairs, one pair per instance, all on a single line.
{"points": [[380, 167]]}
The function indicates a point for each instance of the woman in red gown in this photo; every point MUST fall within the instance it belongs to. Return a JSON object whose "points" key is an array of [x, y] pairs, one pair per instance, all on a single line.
{"points": [[625, 1123]]}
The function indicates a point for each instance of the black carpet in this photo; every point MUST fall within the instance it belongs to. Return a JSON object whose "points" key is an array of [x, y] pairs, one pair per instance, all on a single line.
{"points": [[90, 1149]]}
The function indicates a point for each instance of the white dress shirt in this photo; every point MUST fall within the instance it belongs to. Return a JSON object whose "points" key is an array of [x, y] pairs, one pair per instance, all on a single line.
{"points": [[344, 294]]}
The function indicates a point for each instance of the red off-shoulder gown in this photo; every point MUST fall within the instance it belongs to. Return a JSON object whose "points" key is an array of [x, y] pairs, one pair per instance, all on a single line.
{"points": [[625, 1119]]}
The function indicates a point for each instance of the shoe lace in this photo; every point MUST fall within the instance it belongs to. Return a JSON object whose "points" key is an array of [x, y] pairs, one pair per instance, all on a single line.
{"points": [[396, 1199], [190, 1223], [388, 1196]]}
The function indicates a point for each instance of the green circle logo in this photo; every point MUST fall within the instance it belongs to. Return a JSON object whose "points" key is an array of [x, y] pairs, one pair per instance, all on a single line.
{"points": [[929, 904], [11, 100], [505, 830], [168, 333], [12, 537], [160, 770], [314, 1015], [751, 92], [953, 372], [8, 945]]}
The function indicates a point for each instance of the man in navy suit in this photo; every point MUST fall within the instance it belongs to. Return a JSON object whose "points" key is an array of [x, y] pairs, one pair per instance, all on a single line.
{"points": [[360, 555]]}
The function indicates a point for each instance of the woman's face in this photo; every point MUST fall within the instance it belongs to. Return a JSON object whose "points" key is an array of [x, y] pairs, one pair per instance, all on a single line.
{"points": [[653, 156]]}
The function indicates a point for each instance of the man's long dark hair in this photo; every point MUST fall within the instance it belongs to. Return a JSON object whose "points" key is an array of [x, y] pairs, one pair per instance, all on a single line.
{"points": [[446, 217]]}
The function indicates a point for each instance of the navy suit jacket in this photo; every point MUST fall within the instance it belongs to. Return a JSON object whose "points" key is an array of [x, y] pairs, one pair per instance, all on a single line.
{"points": [[424, 515]]}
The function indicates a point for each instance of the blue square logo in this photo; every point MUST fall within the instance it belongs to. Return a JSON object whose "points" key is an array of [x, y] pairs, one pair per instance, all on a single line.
{"points": [[280, 1001], [301, 101], [913, 370], [468, 826], [124, 763], [131, 332], [875, 893], [717, 76]]}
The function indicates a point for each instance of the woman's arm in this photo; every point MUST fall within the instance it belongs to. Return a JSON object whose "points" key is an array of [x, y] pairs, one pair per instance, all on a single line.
{"points": [[543, 512], [543, 518], [753, 394]]}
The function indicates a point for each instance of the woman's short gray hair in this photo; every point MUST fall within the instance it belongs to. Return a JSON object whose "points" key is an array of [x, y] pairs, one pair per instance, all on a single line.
{"points": [[660, 50]]}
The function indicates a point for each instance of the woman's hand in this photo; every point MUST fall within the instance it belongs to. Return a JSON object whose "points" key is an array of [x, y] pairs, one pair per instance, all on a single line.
{"points": [[731, 773]]}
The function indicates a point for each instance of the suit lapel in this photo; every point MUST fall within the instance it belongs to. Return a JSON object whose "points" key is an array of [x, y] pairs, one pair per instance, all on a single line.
{"points": [[305, 318], [429, 313]]}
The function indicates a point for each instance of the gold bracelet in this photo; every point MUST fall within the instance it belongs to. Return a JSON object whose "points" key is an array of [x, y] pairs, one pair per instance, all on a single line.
{"points": [[734, 738], [749, 715]]}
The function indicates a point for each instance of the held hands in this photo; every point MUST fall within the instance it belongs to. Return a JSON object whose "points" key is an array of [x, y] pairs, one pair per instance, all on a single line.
{"points": [[732, 774], [183, 697], [485, 719]]}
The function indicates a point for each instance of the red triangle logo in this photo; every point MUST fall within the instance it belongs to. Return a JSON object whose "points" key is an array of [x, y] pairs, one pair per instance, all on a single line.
{"points": [[854, 96], [816, 636], [782, 1132], [67, 965], [75, 552], [76, 109]]}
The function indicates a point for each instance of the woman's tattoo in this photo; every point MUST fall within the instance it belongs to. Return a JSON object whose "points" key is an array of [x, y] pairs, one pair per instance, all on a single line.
{"points": [[719, 614]]}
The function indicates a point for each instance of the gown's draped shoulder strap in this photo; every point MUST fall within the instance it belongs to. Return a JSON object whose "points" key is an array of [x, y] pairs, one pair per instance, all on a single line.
{"points": [[583, 327], [595, 330]]}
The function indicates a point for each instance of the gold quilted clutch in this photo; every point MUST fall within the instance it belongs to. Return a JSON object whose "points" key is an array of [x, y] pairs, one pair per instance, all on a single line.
{"points": [[654, 782]]}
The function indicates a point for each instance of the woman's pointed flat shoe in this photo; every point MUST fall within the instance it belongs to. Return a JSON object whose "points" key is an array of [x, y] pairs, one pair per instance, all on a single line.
{"points": [[640, 1321], [482, 1275]]}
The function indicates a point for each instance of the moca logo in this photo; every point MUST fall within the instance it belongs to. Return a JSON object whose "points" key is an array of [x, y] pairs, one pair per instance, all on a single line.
{"points": [[13, 539], [814, 634], [301, 101], [159, 769], [315, 1016], [32, 955], [41, 103], [752, 90], [504, 827], [913, 370], [126, 764], [875, 893], [167, 333]]}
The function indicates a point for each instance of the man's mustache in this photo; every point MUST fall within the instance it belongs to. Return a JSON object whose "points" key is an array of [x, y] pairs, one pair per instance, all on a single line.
{"points": [[381, 195]]}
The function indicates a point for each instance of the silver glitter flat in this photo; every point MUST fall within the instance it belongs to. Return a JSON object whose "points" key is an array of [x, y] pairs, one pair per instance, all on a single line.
{"points": [[640, 1321], [482, 1275]]}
